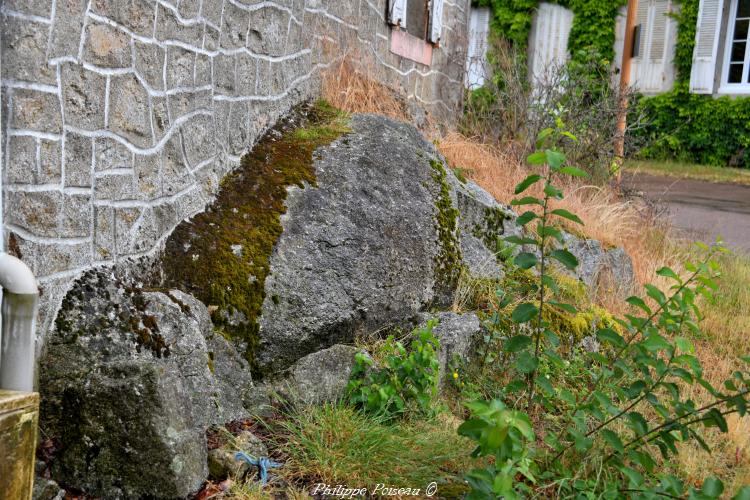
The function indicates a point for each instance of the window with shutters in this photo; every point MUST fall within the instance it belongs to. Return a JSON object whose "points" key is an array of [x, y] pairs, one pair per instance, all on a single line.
{"points": [[736, 71], [476, 54], [653, 71], [418, 26]]}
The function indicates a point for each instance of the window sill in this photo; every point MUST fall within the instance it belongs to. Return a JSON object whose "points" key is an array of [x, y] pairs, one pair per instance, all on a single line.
{"points": [[410, 47], [734, 90]]}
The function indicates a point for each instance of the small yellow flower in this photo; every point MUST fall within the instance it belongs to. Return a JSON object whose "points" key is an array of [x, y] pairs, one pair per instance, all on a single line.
{"points": [[455, 375]]}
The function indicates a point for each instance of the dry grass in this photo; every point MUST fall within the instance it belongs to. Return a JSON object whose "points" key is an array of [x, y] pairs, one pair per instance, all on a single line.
{"points": [[651, 243], [607, 218], [350, 86]]}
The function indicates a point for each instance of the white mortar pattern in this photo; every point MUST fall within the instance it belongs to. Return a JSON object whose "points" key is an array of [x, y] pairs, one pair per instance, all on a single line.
{"points": [[189, 111]]}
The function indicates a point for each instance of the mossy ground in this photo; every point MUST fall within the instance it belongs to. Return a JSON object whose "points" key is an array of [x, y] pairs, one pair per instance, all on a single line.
{"points": [[222, 255]]}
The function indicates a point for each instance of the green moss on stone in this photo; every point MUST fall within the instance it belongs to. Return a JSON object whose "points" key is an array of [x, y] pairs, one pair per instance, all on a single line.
{"points": [[448, 259], [222, 256], [493, 226]]}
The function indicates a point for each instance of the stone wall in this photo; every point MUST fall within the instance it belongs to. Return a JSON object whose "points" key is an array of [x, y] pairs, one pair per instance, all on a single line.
{"points": [[120, 117]]}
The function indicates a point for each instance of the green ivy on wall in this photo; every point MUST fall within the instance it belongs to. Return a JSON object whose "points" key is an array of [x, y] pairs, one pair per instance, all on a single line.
{"points": [[593, 27], [691, 127]]}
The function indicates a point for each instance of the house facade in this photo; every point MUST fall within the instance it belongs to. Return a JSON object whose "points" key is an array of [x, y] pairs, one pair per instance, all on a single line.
{"points": [[721, 57], [121, 117]]}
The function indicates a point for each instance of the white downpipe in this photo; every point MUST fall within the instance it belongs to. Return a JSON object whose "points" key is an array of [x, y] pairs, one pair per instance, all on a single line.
{"points": [[19, 310]]}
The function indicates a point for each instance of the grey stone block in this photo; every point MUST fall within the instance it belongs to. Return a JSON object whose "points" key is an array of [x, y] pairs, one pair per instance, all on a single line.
{"points": [[83, 94], [202, 70], [198, 140], [36, 110], [107, 46], [183, 103], [188, 9], [247, 72], [268, 31], [160, 117], [78, 160], [180, 63], [135, 15], [66, 30], [36, 212], [24, 51], [147, 176], [224, 73], [174, 174], [211, 10], [129, 114], [149, 64], [169, 28], [50, 162], [76, 215], [110, 154], [104, 232], [234, 27], [41, 8], [116, 186], [20, 163]]}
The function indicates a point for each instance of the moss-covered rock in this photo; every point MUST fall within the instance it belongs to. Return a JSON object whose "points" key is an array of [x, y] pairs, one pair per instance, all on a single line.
{"points": [[222, 255]]}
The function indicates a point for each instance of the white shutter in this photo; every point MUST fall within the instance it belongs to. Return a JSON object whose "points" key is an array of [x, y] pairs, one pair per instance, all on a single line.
{"points": [[652, 70], [476, 55], [436, 20], [397, 13], [548, 46], [706, 46]]}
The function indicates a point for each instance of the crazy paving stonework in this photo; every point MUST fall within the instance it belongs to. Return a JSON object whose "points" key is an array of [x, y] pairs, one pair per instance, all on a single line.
{"points": [[120, 117]]}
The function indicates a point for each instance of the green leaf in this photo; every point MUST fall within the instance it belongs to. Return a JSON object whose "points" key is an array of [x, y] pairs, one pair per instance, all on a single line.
{"points": [[613, 440], [526, 363], [561, 212], [517, 343], [712, 487], [538, 158], [525, 218], [743, 494], [566, 258], [523, 313], [610, 336], [555, 159], [668, 273], [573, 171], [525, 260], [565, 307], [684, 345], [639, 303], [527, 200], [553, 192], [527, 182]]}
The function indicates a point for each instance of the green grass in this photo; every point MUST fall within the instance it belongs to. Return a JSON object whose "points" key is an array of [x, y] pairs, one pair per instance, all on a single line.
{"points": [[690, 171], [337, 444]]}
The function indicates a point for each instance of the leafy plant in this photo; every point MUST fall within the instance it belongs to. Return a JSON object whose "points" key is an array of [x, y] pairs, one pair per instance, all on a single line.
{"points": [[408, 376], [632, 397]]}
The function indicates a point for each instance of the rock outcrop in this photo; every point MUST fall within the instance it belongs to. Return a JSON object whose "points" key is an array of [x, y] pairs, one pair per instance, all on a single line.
{"points": [[332, 227]]}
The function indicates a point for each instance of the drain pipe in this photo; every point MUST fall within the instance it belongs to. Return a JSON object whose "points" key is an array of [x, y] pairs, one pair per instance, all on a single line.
{"points": [[19, 309]]}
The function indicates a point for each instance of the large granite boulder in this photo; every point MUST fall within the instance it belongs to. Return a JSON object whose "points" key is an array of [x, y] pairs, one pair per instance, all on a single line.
{"points": [[371, 245], [129, 387]]}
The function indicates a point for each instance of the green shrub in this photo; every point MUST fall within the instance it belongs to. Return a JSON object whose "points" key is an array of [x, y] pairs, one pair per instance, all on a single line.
{"points": [[630, 399], [407, 378], [697, 128]]}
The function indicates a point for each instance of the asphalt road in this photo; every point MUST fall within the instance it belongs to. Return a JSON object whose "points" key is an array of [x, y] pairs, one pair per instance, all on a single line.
{"points": [[703, 209]]}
